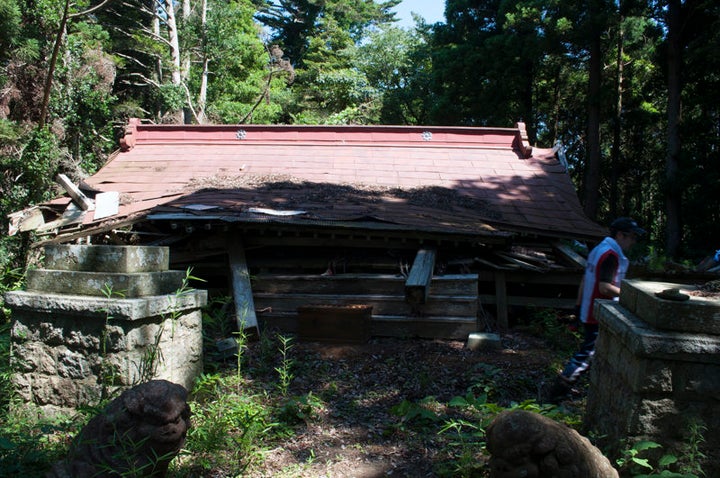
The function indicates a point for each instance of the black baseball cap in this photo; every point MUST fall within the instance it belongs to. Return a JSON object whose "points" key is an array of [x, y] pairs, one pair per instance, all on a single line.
{"points": [[627, 224]]}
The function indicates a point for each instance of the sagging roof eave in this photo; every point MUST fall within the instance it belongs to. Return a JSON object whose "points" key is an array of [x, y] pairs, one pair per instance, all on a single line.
{"points": [[363, 227]]}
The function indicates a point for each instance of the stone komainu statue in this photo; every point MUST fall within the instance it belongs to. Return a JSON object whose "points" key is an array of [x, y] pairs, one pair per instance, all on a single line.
{"points": [[137, 434], [530, 445]]}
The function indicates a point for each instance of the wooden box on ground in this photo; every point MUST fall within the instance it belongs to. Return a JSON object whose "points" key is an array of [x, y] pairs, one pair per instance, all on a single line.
{"points": [[335, 323]]}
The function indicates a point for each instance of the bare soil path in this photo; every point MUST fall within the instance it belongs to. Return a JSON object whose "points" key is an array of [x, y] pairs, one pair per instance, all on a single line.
{"points": [[354, 432]]}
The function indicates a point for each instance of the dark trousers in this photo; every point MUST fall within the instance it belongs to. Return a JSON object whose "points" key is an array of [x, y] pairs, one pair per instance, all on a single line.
{"points": [[580, 361]]}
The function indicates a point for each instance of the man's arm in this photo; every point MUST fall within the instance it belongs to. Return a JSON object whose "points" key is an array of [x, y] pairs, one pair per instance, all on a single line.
{"points": [[608, 289], [607, 269]]}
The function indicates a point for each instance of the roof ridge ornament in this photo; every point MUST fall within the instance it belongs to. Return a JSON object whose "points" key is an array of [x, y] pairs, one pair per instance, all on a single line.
{"points": [[127, 142], [427, 135], [523, 141], [241, 134]]}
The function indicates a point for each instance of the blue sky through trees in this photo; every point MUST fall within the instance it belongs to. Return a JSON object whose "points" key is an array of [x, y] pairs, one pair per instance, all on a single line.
{"points": [[431, 10]]}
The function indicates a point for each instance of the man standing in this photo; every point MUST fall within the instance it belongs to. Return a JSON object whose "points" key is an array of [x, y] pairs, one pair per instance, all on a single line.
{"points": [[604, 271]]}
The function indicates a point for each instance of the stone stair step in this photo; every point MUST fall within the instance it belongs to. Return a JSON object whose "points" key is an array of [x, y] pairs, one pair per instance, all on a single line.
{"points": [[104, 284], [89, 258]]}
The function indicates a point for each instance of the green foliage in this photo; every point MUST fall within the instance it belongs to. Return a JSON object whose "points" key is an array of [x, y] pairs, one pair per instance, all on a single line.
{"points": [[415, 415], [300, 409], [398, 67], [644, 459], [7, 392], [546, 323], [284, 370], [30, 445], [245, 86], [638, 466], [692, 454], [10, 18], [468, 444], [228, 429]]}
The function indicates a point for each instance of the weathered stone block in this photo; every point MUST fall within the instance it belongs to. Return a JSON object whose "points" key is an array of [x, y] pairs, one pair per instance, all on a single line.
{"points": [[101, 284], [83, 307], [99, 350], [698, 314], [649, 382], [648, 376], [100, 258], [697, 381]]}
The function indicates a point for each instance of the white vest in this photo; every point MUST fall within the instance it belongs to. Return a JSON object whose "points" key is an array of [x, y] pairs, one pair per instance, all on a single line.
{"points": [[591, 281]]}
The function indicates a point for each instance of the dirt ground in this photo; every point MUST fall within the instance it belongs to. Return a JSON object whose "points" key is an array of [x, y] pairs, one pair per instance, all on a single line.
{"points": [[355, 433]]}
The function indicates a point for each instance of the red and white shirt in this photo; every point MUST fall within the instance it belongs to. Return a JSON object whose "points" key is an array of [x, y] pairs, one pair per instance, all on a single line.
{"points": [[606, 263]]}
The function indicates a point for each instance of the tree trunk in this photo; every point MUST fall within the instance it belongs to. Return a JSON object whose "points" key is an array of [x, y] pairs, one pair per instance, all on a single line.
{"points": [[202, 96], [672, 159], [592, 164], [617, 125], [174, 41], [47, 88]]}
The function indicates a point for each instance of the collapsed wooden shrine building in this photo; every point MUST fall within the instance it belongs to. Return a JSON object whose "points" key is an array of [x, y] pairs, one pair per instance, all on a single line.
{"points": [[441, 230]]}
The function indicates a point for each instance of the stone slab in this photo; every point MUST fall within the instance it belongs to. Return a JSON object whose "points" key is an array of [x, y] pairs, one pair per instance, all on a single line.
{"points": [[696, 315], [137, 284], [100, 258], [483, 341], [100, 307]]}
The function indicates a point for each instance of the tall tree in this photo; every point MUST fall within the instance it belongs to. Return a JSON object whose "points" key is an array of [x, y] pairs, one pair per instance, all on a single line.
{"points": [[672, 159], [595, 23], [320, 39], [245, 81], [692, 118], [293, 23], [397, 66]]}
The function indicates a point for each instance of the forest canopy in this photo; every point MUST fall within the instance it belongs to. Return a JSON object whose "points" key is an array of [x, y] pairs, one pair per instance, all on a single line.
{"points": [[627, 91]]}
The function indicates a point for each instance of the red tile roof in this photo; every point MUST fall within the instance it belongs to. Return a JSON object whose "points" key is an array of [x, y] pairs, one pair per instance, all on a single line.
{"points": [[442, 179]]}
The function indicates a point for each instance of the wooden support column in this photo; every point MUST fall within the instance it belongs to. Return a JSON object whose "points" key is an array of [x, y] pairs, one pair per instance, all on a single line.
{"points": [[241, 287], [501, 301], [417, 284]]}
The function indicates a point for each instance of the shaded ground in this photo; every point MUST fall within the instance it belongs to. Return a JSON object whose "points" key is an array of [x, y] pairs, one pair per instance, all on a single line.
{"points": [[353, 432]]}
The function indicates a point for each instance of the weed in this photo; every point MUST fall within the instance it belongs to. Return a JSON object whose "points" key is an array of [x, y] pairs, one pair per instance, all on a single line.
{"points": [[549, 325], [228, 429], [241, 339], [7, 391], [467, 445], [634, 463], [30, 445], [692, 454], [284, 370], [415, 415], [301, 408], [109, 373], [485, 379]]}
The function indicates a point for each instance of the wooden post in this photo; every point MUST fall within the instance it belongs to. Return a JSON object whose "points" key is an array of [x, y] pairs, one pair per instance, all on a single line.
{"points": [[417, 284], [501, 301], [241, 287]]}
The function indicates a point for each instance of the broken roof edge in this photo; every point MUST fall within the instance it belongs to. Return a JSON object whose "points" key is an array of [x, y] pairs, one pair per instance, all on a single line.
{"points": [[515, 138]]}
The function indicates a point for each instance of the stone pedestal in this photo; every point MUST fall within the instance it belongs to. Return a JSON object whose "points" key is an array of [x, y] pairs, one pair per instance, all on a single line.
{"points": [[103, 318], [656, 368]]}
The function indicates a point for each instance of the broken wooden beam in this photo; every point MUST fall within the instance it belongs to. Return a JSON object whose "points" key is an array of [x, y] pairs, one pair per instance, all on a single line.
{"points": [[569, 255], [241, 287], [417, 285], [82, 201]]}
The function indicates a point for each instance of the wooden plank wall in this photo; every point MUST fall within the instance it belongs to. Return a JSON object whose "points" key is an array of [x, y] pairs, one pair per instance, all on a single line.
{"points": [[450, 310]]}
